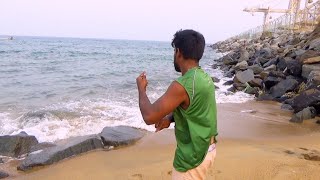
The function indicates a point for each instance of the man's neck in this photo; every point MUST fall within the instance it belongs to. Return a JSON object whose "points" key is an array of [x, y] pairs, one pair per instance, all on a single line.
{"points": [[189, 64]]}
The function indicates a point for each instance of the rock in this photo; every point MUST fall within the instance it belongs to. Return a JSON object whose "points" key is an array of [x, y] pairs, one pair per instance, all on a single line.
{"points": [[308, 54], [16, 145], [299, 52], [3, 174], [313, 80], [271, 81], [226, 68], [286, 107], [232, 89], [315, 44], [270, 62], [264, 74], [230, 73], [282, 63], [64, 149], [289, 101], [235, 45], [244, 55], [120, 135], [239, 86], [265, 97], [227, 60], [282, 87], [294, 41], [273, 67], [261, 60], [312, 60], [307, 68], [310, 97], [41, 146], [280, 50], [256, 82], [306, 113], [294, 67], [251, 90], [257, 69], [228, 83], [277, 74], [214, 79], [243, 65], [244, 76], [1, 161]]}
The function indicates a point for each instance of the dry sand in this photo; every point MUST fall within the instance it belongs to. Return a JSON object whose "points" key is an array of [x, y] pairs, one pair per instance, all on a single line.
{"points": [[258, 145]]}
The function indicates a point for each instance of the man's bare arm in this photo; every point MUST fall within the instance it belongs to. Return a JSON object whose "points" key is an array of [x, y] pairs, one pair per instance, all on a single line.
{"points": [[172, 98]]}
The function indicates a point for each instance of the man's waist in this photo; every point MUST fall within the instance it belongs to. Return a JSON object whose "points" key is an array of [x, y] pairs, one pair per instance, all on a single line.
{"points": [[213, 140]]}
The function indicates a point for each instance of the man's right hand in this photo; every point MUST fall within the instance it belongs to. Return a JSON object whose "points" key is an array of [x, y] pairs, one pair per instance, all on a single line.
{"points": [[162, 124]]}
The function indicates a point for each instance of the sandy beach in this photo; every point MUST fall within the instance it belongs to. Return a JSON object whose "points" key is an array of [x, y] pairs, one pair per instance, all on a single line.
{"points": [[256, 141]]}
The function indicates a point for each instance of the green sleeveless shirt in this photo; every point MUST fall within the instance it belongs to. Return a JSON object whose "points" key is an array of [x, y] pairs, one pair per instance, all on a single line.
{"points": [[198, 123]]}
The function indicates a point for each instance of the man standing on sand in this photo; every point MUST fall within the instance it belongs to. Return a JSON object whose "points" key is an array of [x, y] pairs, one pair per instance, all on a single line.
{"points": [[190, 103]]}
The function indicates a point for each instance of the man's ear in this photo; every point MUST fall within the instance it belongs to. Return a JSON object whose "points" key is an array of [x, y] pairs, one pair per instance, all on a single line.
{"points": [[179, 54]]}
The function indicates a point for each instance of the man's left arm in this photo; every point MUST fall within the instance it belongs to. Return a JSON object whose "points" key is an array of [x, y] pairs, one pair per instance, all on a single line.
{"points": [[170, 100]]}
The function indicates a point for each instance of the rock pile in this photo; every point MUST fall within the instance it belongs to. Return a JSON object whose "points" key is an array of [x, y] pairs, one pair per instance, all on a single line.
{"points": [[281, 67]]}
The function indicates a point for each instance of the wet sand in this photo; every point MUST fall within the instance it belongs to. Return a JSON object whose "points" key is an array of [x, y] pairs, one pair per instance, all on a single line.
{"points": [[256, 141]]}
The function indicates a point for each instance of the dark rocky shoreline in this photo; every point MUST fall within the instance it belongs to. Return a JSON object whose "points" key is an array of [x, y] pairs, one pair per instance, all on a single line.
{"points": [[282, 67], [34, 154]]}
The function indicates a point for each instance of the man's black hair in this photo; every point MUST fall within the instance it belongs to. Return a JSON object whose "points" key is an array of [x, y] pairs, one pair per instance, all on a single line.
{"points": [[190, 43]]}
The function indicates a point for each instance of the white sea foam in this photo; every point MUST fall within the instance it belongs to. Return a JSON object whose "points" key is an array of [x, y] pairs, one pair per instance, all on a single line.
{"points": [[76, 118]]}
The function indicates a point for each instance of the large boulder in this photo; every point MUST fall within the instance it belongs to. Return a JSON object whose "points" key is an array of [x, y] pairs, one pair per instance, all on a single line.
{"points": [[282, 63], [312, 60], [308, 68], [277, 74], [273, 67], [306, 113], [270, 62], [244, 55], [315, 44], [313, 80], [243, 65], [264, 53], [228, 60], [41, 146], [294, 67], [261, 60], [256, 82], [16, 145], [271, 81], [64, 149], [283, 86], [256, 68], [244, 76], [308, 54], [120, 135], [308, 98], [294, 41]]}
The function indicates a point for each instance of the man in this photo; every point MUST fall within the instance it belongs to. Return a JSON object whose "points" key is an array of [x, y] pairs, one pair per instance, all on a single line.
{"points": [[190, 103]]}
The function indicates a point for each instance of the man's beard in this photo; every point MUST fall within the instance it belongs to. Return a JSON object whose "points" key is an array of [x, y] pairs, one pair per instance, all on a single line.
{"points": [[176, 66]]}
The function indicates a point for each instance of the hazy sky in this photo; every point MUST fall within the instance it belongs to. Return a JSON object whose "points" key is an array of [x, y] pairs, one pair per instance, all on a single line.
{"points": [[129, 19]]}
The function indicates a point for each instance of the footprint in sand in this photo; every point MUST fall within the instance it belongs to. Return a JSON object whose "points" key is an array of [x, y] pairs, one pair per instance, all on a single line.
{"points": [[136, 177], [310, 155]]}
